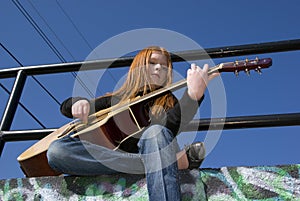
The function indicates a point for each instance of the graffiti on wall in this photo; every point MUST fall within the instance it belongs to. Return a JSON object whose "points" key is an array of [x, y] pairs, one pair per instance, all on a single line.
{"points": [[253, 183], [227, 183]]}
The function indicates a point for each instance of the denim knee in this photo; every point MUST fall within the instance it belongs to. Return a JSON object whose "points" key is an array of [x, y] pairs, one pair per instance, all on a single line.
{"points": [[56, 153], [156, 136]]}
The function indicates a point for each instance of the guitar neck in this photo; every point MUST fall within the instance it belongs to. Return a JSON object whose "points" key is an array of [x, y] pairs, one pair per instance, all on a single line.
{"points": [[175, 86], [236, 67], [182, 83]]}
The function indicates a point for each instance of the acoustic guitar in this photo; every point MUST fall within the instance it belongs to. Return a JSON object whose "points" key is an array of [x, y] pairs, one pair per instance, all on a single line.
{"points": [[118, 125]]}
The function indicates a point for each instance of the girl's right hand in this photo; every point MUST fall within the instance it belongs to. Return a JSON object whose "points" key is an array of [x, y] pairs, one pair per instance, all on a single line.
{"points": [[81, 110]]}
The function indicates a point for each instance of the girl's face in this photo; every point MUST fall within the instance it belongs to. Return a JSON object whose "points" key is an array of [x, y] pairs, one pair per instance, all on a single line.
{"points": [[158, 68]]}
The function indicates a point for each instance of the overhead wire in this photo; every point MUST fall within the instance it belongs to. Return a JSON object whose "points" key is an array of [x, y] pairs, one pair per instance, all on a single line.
{"points": [[24, 107], [61, 42], [33, 77], [79, 32], [74, 25], [51, 46], [47, 40], [37, 28], [7, 91]]}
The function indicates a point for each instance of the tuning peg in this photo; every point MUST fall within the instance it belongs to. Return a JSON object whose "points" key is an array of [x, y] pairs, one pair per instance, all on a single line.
{"points": [[236, 72], [247, 71], [258, 69]]}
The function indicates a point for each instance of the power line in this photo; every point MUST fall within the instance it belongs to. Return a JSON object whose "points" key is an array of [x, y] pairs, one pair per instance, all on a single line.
{"points": [[7, 91], [46, 39], [39, 83], [60, 41], [53, 32], [37, 28], [74, 25], [23, 106], [81, 35]]}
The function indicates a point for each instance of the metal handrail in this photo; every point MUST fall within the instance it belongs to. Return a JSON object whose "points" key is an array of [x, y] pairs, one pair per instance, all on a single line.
{"points": [[219, 52], [225, 123]]}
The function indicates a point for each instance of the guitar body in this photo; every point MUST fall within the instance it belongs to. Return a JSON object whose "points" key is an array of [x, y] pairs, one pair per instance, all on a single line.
{"points": [[117, 130], [118, 127], [34, 161]]}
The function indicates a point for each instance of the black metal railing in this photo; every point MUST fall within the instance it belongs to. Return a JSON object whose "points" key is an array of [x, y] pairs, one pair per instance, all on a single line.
{"points": [[20, 73]]}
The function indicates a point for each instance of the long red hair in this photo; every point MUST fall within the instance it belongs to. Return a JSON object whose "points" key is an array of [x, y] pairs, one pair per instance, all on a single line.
{"points": [[138, 83]]}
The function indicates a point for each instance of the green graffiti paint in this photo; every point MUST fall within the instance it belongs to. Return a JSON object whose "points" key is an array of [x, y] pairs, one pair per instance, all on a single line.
{"points": [[264, 183]]}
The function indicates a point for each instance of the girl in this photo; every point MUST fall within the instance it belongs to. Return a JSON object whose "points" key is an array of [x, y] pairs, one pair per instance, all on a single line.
{"points": [[156, 152]]}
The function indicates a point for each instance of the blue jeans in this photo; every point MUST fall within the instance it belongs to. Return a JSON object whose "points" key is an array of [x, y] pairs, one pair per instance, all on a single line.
{"points": [[156, 158]]}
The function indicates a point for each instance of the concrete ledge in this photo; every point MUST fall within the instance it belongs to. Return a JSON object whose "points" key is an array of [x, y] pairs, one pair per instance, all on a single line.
{"points": [[228, 183]]}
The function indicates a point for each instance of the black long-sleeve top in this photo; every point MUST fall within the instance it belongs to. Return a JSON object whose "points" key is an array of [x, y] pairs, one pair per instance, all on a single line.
{"points": [[174, 119]]}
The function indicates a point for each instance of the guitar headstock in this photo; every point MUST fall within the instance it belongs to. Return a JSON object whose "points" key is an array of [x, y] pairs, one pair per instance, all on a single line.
{"points": [[245, 65]]}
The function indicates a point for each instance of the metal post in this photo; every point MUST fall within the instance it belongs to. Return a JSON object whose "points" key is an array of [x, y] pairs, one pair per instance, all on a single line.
{"points": [[11, 105]]}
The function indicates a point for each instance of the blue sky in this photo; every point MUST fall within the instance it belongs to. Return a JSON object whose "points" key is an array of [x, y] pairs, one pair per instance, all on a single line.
{"points": [[75, 28]]}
